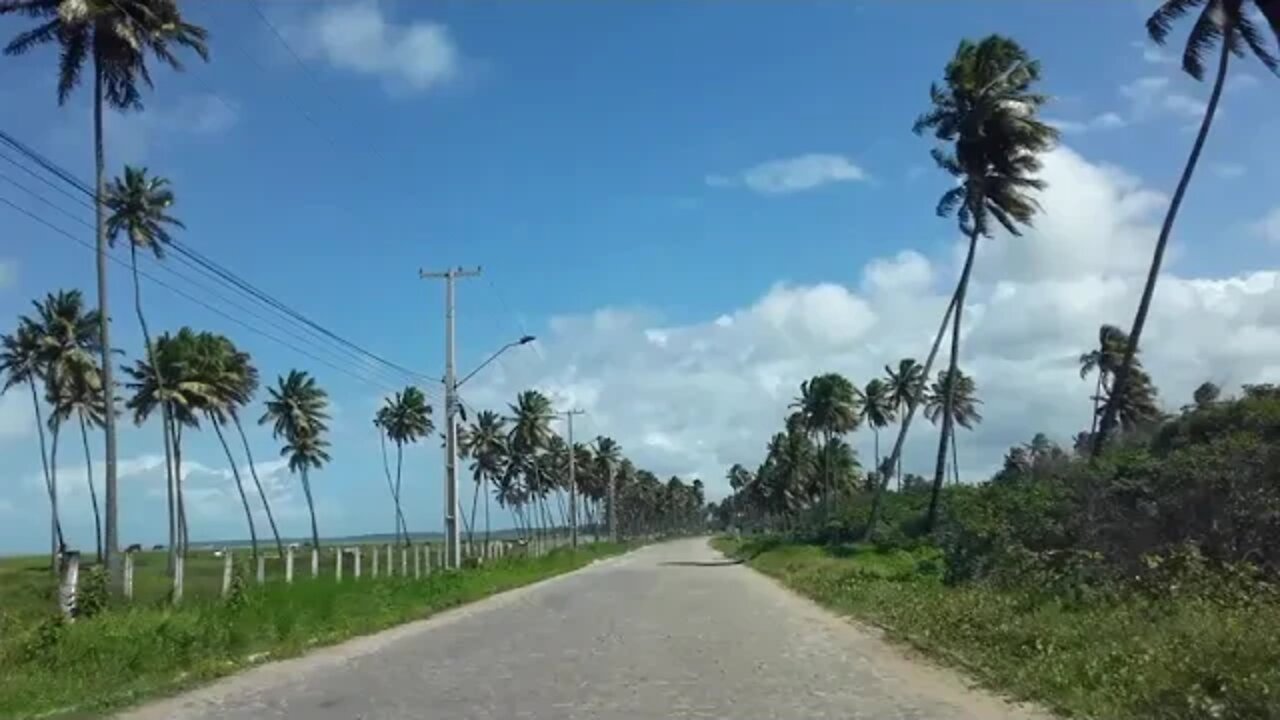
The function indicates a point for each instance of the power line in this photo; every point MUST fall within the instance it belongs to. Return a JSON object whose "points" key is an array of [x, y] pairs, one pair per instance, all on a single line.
{"points": [[89, 246], [209, 267]]}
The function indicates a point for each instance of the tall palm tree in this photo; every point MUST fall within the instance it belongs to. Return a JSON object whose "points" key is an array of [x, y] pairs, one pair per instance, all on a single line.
{"points": [[297, 411], [963, 406], [527, 443], [20, 362], [1105, 361], [988, 110], [139, 208], [906, 386], [408, 419], [608, 459], [485, 442], [241, 379], [381, 421], [878, 409], [828, 407], [117, 36], [1219, 21], [78, 393]]}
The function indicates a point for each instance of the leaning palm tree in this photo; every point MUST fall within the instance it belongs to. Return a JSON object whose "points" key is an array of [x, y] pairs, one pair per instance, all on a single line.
{"points": [[877, 409], [829, 408], [485, 442], [241, 379], [297, 411], [20, 363], [608, 459], [988, 110], [381, 421], [116, 36], [906, 386], [1103, 360], [139, 210], [1219, 21], [78, 392], [962, 404], [527, 443], [408, 420]]}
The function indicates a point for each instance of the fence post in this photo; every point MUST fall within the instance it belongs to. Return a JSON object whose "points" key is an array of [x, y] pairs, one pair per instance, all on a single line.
{"points": [[179, 577], [128, 575], [373, 571], [356, 568], [337, 564], [390, 566], [404, 562], [262, 569], [288, 564], [226, 572], [417, 562], [315, 563], [70, 585]]}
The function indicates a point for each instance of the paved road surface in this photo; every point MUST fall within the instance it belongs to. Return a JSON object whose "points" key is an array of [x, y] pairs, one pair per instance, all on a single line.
{"points": [[668, 632]]}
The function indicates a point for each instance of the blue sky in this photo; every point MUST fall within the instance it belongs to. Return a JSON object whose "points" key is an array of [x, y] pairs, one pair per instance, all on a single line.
{"points": [[693, 205]]}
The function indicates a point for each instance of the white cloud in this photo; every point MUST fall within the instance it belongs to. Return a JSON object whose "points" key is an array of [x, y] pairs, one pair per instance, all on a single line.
{"points": [[792, 175], [357, 36], [17, 420], [711, 392], [1268, 228], [1152, 96], [1228, 171], [1242, 81], [1153, 54], [164, 125], [1102, 121]]}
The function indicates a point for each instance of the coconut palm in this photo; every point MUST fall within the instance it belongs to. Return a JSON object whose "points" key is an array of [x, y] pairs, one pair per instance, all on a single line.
{"points": [[988, 110], [607, 459], [906, 385], [78, 392], [241, 379], [296, 409], [1227, 23], [20, 363], [381, 420], [408, 419], [528, 441], [485, 442], [960, 399], [139, 207], [117, 37], [1105, 361], [878, 409], [828, 407]]}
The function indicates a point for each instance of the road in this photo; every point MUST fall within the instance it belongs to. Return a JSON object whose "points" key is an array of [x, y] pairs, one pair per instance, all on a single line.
{"points": [[669, 631]]}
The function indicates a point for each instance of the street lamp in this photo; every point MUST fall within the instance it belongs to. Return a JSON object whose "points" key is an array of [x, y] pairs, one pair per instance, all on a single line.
{"points": [[453, 538]]}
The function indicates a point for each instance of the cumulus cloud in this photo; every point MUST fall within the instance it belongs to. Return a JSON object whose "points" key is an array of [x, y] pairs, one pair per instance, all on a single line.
{"points": [[792, 175], [358, 36], [1102, 121], [694, 398]]}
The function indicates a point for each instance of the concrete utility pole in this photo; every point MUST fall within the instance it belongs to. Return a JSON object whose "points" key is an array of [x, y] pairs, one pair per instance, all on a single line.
{"points": [[573, 482], [452, 539]]}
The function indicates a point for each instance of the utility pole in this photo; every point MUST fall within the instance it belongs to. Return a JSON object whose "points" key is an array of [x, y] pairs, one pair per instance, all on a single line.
{"points": [[573, 482], [452, 538]]}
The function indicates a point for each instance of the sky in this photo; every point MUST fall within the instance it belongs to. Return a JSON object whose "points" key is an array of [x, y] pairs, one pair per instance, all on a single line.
{"points": [[693, 206]]}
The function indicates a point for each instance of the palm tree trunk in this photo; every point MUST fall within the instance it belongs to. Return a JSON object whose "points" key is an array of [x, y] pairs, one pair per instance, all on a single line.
{"points": [[253, 471], [876, 432], [475, 499], [487, 531], [53, 495], [895, 456], [955, 460], [1121, 381], [55, 541], [311, 508], [1097, 396], [950, 386], [115, 567], [235, 473], [93, 493], [395, 493], [391, 488], [184, 532]]}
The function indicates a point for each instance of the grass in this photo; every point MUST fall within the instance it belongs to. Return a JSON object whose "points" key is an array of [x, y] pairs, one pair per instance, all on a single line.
{"points": [[128, 654], [1130, 656]]}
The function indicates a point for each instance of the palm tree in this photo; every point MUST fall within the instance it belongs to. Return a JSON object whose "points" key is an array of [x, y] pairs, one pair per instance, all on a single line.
{"points": [[906, 385], [20, 363], [139, 209], [408, 419], [988, 109], [79, 392], [241, 379], [485, 442], [962, 404], [878, 409], [1224, 22], [118, 35], [608, 458], [381, 420], [528, 440], [296, 410], [1105, 360], [829, 407]]}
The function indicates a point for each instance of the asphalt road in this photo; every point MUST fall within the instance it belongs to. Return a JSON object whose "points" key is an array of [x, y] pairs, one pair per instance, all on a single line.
{"points": [[669, 631]]}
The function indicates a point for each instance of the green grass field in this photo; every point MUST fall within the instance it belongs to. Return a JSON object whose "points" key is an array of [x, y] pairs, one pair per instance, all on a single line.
{"points": [[1180, 657], [131, 653]]}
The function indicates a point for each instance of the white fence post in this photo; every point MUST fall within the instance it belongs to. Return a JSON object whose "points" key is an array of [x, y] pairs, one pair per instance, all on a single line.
{"points": [[337, 564], [373, 571], [179, 577], [226, 572], [404, 562], [315, 563], [70, 584], [355, 570], [128, 575], [262, 569], [390, 566], [417, 562], [288, 564]]}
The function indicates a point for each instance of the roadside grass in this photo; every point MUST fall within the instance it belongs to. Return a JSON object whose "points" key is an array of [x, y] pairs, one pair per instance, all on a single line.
{"points": [[1181, 656], [129, 654]]}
